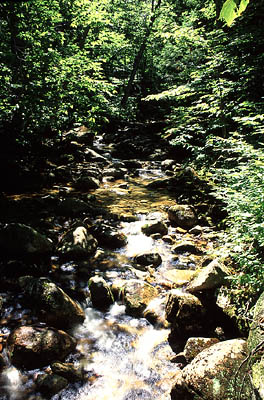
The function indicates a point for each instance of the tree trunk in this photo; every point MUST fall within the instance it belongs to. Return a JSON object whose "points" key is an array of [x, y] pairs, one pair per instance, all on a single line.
{"points": [[139, 54]]}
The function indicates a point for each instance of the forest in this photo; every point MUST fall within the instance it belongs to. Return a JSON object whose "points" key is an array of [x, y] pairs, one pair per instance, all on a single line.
{"points": [[192, 69]]}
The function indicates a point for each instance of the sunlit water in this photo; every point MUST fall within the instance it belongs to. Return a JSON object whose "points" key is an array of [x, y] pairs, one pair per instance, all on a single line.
{"points": [[123, 358]]}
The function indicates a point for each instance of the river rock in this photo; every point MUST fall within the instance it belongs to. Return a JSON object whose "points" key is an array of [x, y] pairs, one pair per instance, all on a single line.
{"points": [[52, 304], [182, 216], [109, 236], [68, 371], [76, 244], [210, 277], [85, 183], [185, 246], [255, 345], [72, 207], [91, 155], [50, 384], [116, 173], [161, 183], [155, 227], [195, 345], [168, 164], [101, 294], [22, 241], [217, 372], [148, 259], [186, 314], [34, 347], [137, 295]]}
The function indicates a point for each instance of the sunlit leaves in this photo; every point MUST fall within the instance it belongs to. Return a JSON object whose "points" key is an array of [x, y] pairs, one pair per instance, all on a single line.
{"points": [[232, 9]]}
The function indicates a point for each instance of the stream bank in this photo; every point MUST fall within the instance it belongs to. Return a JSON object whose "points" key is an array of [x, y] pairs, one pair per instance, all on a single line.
{"points": [[97, 265]]}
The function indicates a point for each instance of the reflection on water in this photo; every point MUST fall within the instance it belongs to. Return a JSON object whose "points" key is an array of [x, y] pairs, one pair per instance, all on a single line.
{"points": [[118, 358]]}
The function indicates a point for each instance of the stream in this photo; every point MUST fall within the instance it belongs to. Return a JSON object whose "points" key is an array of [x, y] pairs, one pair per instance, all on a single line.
{"points": [[122, 357]]}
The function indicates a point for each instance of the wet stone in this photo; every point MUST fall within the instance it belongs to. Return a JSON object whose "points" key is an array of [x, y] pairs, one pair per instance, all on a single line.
{"points": [[50, 384]]}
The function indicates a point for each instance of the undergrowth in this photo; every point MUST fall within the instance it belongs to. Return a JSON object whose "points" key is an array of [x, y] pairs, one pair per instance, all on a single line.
{"points": [[236, 170]]}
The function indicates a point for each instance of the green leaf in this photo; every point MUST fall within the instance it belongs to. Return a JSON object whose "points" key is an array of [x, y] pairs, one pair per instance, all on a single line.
{"points": [[230, 10]]}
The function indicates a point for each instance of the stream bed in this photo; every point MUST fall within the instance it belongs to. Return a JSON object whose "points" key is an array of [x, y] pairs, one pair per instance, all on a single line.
{"points": [[122, 357]]}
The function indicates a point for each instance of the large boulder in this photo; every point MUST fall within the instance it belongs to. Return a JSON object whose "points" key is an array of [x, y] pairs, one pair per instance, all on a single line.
{"points": [[182, 216], [210, 277], [51, 303], [255, 345], [137, 296], [76, 244], [186, 314], [217, 373], [34, 347], [22, 241], [101, 294]]}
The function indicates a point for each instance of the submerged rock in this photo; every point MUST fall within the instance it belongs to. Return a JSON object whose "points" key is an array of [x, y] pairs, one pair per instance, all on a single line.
{"points": [[68, 371], [34, 347], [22, 241], [182, 216], [50, 384], [101, 294], [52, 304]]}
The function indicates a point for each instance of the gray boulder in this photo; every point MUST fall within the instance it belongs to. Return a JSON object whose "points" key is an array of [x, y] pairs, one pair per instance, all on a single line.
{"points": [[210, 277], [218, 372]]}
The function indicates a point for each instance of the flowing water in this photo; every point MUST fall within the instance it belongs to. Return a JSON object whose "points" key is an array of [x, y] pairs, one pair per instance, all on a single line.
{"points": [[122, 357]]}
